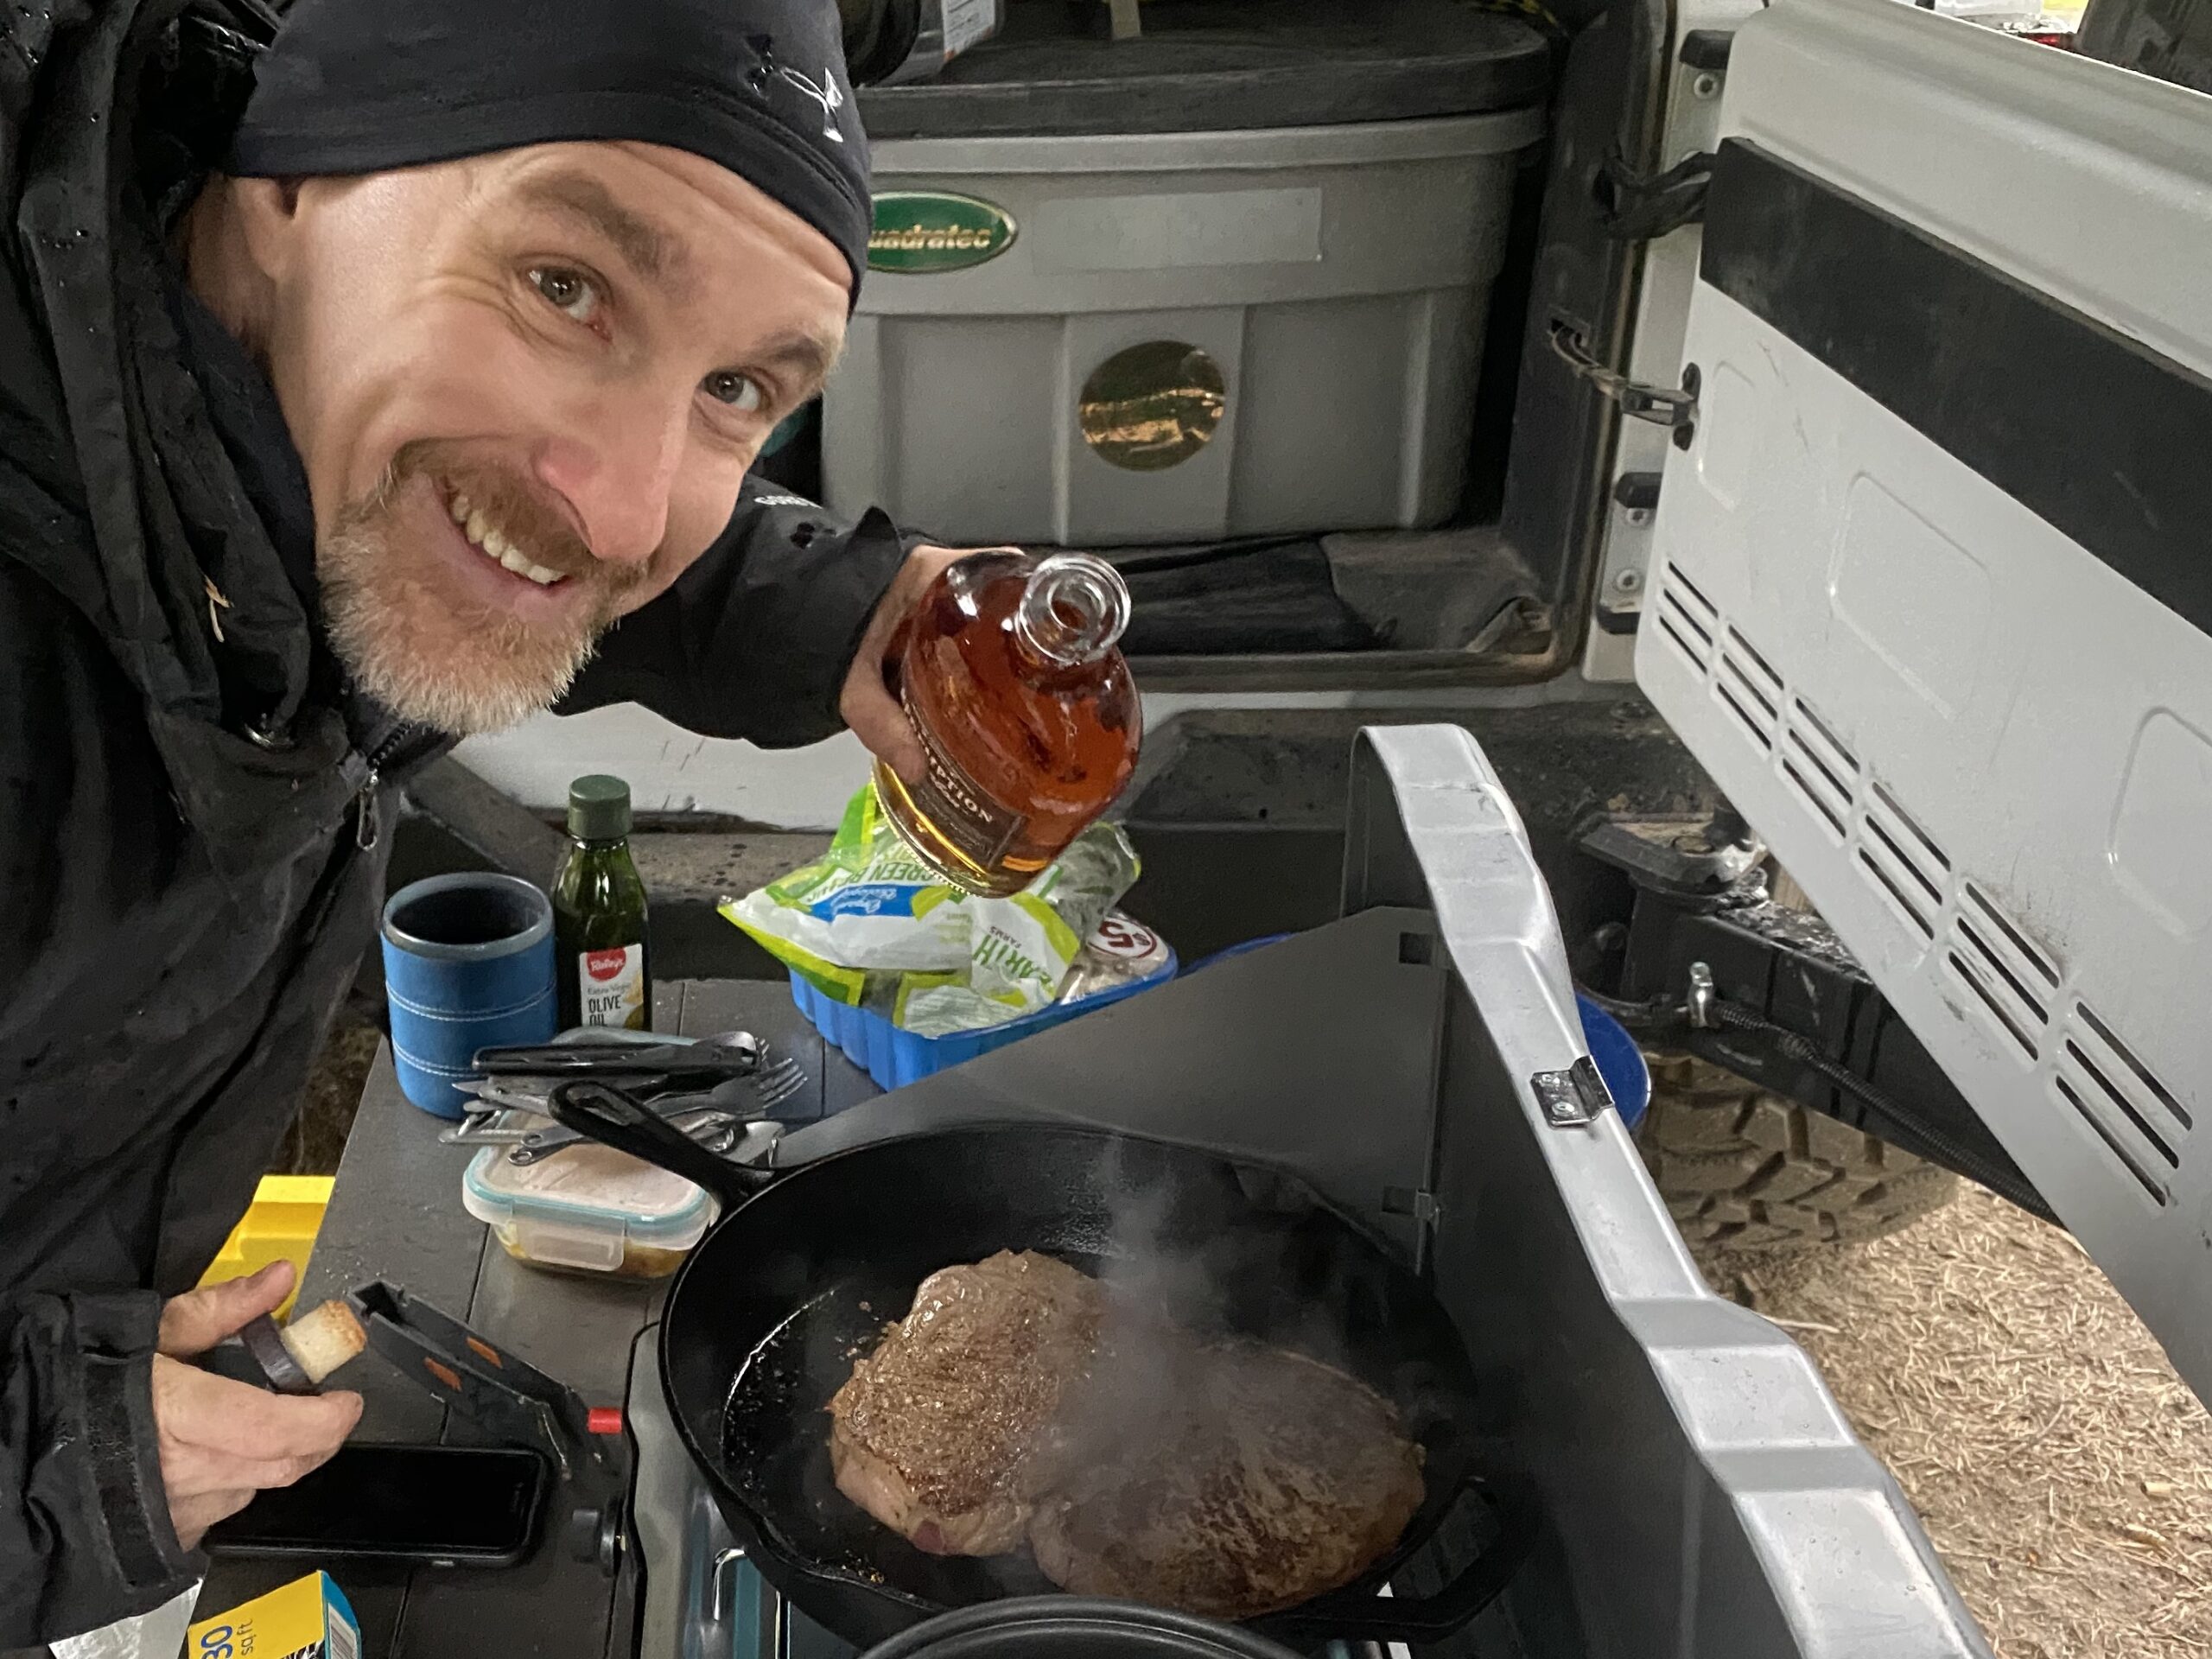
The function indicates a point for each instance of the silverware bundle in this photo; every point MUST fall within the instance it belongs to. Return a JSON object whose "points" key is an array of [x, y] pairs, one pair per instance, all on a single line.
{"points": [[710, 1088]]}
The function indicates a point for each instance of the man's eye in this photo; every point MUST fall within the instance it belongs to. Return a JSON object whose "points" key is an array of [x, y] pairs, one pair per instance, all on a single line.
{"points": [[740, 391], [566, 290]]}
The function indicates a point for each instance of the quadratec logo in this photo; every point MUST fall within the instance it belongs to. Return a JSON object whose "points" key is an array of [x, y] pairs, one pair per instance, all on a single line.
{"points": [[920, 231], [605, 964]]}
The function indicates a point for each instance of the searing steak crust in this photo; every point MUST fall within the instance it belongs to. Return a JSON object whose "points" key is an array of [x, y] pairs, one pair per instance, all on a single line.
{"points": [[932, 1433], [1018, 1401], [1264, 1478]]}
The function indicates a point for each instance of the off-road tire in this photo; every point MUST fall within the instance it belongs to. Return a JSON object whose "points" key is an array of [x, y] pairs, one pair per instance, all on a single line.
{"points": [[1746, 1171]]}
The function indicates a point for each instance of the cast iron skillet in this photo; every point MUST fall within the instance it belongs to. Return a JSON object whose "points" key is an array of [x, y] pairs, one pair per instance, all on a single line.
{"points": [[805, 1268]]}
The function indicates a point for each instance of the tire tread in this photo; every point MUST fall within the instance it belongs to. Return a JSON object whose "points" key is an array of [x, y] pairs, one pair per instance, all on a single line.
{"points": [[1742, 1169]]}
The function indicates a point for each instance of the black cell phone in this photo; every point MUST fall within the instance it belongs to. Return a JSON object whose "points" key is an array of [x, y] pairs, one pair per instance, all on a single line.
{"points": [[446, 1505]]}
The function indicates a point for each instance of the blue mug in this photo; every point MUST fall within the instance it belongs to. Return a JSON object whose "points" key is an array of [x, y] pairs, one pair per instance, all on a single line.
{"points": [[467, 964]]}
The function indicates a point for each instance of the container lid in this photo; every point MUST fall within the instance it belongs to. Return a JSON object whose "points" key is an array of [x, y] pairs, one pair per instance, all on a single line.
{"points": [[1218, 66], [588, 1186], [1121, 956], [599, 807]]}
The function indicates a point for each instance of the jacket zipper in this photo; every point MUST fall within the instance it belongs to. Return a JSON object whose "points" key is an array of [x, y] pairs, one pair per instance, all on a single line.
{"points": [[365, 828]]}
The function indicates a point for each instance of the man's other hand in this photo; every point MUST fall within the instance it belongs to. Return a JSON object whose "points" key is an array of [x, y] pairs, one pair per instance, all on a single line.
{"points": [[867, 705], [222, 1442]]}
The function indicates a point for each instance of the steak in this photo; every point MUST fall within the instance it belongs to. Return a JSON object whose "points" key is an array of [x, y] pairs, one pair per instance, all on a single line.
{"points": [[1259, 1478], [932, 1435], [1020, 1400]]}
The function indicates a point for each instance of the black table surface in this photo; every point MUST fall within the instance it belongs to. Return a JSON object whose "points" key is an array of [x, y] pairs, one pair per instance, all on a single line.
{"points": [[396, 1215]]}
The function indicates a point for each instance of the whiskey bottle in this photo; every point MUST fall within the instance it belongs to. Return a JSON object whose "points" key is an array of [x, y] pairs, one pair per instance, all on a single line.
{"points": [[1026, 713]]}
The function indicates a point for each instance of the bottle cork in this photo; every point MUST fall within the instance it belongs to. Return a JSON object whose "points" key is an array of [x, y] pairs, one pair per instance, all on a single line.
{"points": [[296, 1357], [326, 1338]]}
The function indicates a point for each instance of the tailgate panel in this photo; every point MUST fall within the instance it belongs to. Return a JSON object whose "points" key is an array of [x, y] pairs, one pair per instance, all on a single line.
{"points": [[1931, 581]]}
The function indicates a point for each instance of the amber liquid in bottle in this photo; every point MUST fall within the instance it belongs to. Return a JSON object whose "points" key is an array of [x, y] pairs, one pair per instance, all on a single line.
{"points": [[1026, 712]]}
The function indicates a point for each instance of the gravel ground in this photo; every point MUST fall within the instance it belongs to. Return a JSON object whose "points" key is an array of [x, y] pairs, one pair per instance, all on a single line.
{"points": [[2063, 1470]]}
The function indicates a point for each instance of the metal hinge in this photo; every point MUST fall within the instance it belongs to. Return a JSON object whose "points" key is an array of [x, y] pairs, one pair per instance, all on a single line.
{"points": [[1661, 405], [1571, 1098], [1644, 206]]}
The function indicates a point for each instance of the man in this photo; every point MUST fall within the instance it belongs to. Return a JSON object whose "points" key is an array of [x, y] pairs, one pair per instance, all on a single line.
{"points": [[352, 392]]}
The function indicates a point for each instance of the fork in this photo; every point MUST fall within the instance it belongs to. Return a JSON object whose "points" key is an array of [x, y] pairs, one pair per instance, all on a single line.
{"points": [[777, 1081], [775, 1078]]}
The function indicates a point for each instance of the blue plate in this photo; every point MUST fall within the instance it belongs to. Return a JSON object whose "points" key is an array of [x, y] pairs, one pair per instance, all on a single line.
{"points": [[1620, 1062]]}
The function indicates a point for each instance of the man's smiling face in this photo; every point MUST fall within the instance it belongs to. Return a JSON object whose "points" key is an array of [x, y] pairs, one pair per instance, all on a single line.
{"points": [[526, 388]]}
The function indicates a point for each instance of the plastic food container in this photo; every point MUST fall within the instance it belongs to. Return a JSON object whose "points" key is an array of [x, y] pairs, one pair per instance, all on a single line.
{"points": [[588, 1208], [1122, 958]]}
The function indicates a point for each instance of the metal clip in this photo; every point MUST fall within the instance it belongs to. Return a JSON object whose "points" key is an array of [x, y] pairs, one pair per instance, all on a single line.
{"points": [[367, 830], [1703, 995], [1571, 1098], [721, 1589], [1661, 405]]}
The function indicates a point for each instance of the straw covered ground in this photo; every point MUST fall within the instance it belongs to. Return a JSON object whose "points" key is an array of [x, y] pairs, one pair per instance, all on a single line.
{"points": [[2063, 1470]]}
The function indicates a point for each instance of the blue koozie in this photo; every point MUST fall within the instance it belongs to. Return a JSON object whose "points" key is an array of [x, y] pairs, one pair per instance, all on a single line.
{"points": [[467, 964]]}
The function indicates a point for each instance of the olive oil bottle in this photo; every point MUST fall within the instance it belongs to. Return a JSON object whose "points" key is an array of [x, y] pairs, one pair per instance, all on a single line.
{"points": [[599, 914]]}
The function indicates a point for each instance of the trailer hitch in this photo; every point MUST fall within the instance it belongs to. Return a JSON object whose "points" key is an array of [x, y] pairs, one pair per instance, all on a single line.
{"points": [[1704, 961]]}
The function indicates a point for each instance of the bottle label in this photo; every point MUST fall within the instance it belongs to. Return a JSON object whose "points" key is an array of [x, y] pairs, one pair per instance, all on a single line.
{"points": [[611, 987], [977, 826]]}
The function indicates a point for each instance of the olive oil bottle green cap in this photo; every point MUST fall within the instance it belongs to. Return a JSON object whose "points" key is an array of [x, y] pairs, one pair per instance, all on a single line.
{"points": [[599, 807]]}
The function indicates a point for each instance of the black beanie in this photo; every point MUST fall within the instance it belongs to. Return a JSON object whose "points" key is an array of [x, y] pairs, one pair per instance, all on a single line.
{"points": [[758, 87]]}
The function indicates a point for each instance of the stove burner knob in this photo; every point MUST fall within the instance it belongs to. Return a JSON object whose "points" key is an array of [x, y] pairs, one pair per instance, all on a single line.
{"points": [[595, 1536]]}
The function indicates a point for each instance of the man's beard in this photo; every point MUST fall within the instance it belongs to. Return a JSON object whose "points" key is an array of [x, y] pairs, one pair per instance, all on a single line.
{"points": [[475, 668]]}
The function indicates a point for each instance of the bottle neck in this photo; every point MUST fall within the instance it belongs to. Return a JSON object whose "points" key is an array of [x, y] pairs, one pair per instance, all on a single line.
{"points": [[1072, 611]]}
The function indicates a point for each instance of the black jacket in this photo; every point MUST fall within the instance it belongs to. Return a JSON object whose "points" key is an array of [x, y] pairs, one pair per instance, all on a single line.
{"points": [[186, 787]]}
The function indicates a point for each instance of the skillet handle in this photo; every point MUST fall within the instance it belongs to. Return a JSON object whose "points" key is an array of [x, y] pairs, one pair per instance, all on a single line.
{"points": [[1352, 1615], [614, 1118]]}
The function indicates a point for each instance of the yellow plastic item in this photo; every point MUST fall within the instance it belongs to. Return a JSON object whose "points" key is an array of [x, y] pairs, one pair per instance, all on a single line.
{"points": [[283, 1221]]}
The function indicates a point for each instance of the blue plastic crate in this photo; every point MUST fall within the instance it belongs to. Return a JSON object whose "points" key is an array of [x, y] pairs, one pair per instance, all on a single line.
{"points": [[895, 1057]]}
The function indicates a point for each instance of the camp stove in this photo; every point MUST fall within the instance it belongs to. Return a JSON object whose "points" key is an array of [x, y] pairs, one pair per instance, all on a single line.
{"points": [[702, 1599]]}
